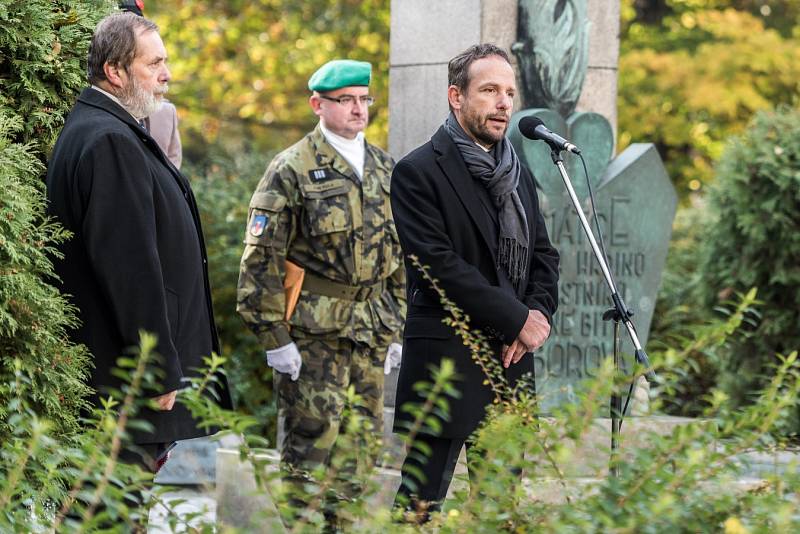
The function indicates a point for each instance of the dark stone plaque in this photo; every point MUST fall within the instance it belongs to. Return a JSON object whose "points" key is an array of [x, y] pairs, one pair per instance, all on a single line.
{"points": [[636, 204]]}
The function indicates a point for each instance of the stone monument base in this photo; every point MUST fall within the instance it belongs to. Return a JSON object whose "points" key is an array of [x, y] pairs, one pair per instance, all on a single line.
{"points": [[193, 461], [239, 506], [238, 503]]}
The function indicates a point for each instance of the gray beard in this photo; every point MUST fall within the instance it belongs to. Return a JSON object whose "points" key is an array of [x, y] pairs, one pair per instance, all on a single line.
{"points": [[137, 101]]}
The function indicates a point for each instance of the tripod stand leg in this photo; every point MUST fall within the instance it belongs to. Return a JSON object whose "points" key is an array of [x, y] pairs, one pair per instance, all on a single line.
{"points": [[616, 408]]}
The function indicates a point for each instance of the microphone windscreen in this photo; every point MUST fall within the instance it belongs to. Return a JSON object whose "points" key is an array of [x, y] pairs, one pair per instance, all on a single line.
{"points": [[528, 125]]}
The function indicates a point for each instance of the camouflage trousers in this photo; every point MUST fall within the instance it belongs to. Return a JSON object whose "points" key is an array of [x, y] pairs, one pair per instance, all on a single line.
{"points": [[314, 421]]}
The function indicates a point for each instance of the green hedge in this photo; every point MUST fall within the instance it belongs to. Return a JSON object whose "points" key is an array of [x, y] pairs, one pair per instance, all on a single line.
{"points": [[43, 46]]}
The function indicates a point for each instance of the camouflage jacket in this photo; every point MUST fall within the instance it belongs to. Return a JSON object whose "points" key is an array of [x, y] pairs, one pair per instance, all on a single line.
{"points": [[311, 208]]}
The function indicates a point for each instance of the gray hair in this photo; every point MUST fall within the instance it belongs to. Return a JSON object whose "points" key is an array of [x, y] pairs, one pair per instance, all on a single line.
{"points": [[458, 67], [114, 42]]}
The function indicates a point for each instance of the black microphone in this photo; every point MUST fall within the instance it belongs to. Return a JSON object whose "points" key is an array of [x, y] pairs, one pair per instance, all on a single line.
{"points": [[533, 128]]}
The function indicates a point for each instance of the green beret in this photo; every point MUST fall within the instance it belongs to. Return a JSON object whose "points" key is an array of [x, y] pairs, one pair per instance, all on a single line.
{"points": [[340, 73]]}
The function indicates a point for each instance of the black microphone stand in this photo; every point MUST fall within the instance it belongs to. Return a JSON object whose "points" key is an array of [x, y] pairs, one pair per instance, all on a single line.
{"points": [[619, 313]]}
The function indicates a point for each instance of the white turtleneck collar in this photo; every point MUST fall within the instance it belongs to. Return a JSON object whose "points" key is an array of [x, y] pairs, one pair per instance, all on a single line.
{"points": [[352, 150]]}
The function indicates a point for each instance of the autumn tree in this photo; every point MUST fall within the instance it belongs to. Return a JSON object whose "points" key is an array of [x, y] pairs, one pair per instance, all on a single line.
{"points": [[695, 74], [240, 68]]}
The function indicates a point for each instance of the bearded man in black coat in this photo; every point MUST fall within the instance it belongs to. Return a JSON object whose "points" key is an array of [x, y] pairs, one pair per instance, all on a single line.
{"points": [[137, 260], [466, 207]]}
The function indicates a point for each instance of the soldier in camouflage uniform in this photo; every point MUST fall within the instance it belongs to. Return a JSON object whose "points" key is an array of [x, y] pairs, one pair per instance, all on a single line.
{"points": [[324, 204]]}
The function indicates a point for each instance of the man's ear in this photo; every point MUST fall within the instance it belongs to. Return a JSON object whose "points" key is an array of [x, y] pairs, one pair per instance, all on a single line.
{"points": [[454, 97], [115, 75], [314, 101]]}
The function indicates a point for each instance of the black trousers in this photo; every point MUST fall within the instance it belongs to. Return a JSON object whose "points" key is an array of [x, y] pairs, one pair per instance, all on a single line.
{"points": [[149, 456], [437, 470]]}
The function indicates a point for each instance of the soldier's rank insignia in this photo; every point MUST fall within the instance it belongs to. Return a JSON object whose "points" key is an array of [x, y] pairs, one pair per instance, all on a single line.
{"points": [[258, 224], [319, 175]]}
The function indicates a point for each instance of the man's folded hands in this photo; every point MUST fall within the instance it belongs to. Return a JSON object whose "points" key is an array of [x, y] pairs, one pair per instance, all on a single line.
{"points": [[532, 336]]}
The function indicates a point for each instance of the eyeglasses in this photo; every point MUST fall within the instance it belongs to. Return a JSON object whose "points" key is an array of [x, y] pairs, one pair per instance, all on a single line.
{"points": [[349, 100]]}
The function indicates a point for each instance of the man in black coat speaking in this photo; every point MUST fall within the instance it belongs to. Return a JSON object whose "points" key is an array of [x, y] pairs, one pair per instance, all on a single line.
{"points": [[466, 207], [137, 259]]}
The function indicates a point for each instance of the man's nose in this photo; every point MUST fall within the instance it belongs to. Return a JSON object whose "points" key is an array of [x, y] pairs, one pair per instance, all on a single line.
{"points": [[505, 102], [358, 107], [166, 75]]}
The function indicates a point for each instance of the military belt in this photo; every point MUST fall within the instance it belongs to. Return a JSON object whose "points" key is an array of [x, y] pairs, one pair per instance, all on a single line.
{"points": [[328, 288]]}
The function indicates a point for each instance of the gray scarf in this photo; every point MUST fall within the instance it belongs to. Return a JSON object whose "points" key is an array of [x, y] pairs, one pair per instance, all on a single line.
{"points": [[498, 171]]}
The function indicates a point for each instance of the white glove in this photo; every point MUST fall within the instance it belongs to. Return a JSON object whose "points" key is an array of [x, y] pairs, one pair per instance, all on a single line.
{"points": [[286, 360], [393, 357]]}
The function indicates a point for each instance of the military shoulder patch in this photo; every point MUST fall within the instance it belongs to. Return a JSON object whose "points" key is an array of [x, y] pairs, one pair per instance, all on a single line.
{"points": [[258, 224], [319, 175]]}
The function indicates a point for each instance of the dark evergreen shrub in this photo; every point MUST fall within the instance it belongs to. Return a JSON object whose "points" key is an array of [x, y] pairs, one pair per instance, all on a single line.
{"points": [[43, 46], [753, 241]]}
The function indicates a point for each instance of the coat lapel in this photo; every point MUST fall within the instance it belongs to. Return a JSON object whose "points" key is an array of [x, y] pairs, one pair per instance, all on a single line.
{"points": [[94, 98], [453, 167]]}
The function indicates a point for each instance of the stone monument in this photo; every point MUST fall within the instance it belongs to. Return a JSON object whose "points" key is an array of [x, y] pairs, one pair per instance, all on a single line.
{"points": [[635, 200]]}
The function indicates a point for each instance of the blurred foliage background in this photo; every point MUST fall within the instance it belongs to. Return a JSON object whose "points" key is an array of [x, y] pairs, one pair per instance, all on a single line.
{"points": [[241, 67], [693, 74]]}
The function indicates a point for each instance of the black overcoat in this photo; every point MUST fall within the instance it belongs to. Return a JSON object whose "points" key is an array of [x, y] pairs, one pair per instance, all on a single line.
{"points": [[137, 260], [447, 219]]}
